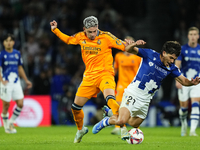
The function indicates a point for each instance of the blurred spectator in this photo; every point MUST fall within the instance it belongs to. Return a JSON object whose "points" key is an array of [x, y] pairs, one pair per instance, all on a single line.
{"points": [[41, 84], [31, 46], [65, 113], [108, 11], [90, 10], [180, 33], [58, 81]]}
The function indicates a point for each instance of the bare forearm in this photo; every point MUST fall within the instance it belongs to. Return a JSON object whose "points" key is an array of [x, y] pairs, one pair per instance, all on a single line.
{"points": [[185, 82], [1, 79], [22, 73], [132, 49]]}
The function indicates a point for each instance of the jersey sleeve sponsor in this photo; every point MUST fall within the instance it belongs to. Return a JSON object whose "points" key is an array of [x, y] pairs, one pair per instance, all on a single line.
{"points": [[114, 41]]}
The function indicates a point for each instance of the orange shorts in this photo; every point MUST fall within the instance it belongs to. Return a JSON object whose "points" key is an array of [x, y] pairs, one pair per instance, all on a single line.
{"points": [[91, 86]]}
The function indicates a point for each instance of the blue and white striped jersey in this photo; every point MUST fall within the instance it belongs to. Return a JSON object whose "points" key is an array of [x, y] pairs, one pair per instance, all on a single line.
{"points": [[190, 61], [9, 63], [150, 75]]}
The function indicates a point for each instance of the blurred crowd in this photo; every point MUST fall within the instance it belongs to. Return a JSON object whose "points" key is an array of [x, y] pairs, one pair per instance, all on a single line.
{"points": [[184, 14], [56, 68]]}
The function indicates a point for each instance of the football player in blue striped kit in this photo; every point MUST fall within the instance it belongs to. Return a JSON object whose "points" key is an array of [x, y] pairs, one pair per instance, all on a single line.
{"points": [[10, 87], [154, 68], [189, 63]]}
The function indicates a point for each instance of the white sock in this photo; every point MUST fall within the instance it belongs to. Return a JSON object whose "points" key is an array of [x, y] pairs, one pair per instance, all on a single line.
{"points": [[5, 120], [15, 114], [123, 130], [110, 113], [194, 116], [183, 112]]}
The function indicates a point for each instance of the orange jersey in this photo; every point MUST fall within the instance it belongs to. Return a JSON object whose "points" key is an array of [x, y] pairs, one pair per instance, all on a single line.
{"points": [[127, 67], [97, 53]]}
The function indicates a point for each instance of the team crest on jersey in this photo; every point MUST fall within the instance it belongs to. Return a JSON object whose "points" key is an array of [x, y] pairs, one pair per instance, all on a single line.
{"points": [[118, 42], [198, 52], [99, 41], [84, 42], [16, 56], [127, 103], [150, 64]]}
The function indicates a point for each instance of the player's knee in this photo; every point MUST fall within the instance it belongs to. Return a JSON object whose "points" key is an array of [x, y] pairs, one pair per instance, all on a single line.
{"points": [[20, 105], [120, 122], [76, 107], [6, 106]]}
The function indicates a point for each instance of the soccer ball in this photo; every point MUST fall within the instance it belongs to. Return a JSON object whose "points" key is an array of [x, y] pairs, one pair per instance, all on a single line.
{"points": [[137, 136]]}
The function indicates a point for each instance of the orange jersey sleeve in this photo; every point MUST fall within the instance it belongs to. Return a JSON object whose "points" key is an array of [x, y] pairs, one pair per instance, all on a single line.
{"points": [[127, 67], [97, 53]]}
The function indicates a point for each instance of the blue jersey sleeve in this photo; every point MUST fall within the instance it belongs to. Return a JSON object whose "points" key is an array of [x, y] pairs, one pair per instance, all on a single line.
{"points": [[1, 59], [175, 72], [144, 52], [20, 61]]}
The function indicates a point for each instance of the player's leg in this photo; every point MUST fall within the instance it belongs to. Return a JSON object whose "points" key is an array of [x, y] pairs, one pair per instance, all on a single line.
{"points": [[194, 117], [111, 102], [107, 86], [124, 116], [119, 94], [183, 110], [5, 115], [85, 91], [5, 95], [18, 97], [133, 111], [15, 114], [183, 113], [78, 114]]}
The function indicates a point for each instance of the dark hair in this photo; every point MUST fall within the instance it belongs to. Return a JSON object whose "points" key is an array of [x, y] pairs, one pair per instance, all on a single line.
{"points": [[172, 47], [9, 35]]}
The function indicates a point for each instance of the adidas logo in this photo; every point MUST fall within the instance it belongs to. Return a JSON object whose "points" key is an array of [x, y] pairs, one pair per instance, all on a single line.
{"points": [[106, 83]]}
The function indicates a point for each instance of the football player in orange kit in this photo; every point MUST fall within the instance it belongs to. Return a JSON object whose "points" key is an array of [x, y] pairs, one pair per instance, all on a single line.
{"points": [[99, 73], [126, 65]]}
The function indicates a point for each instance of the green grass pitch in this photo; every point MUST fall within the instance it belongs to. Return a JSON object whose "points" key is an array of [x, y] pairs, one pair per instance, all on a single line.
{"points": [[61, 138]]}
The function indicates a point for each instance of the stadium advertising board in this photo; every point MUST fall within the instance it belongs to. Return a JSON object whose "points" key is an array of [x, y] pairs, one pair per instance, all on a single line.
{"points": [[36, 111]]}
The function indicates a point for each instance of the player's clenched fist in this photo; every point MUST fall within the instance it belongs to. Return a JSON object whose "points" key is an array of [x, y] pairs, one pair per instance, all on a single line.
{"points": [[53, 24]]}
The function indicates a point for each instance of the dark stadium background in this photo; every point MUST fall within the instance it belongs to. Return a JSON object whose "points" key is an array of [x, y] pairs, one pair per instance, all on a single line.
{"points": [[56, 68]]}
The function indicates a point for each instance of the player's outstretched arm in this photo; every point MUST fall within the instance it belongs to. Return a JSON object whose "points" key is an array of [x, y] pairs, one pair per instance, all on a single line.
{"points": [[178, 64], [184, 81], [62, 36], [131, 48]]}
